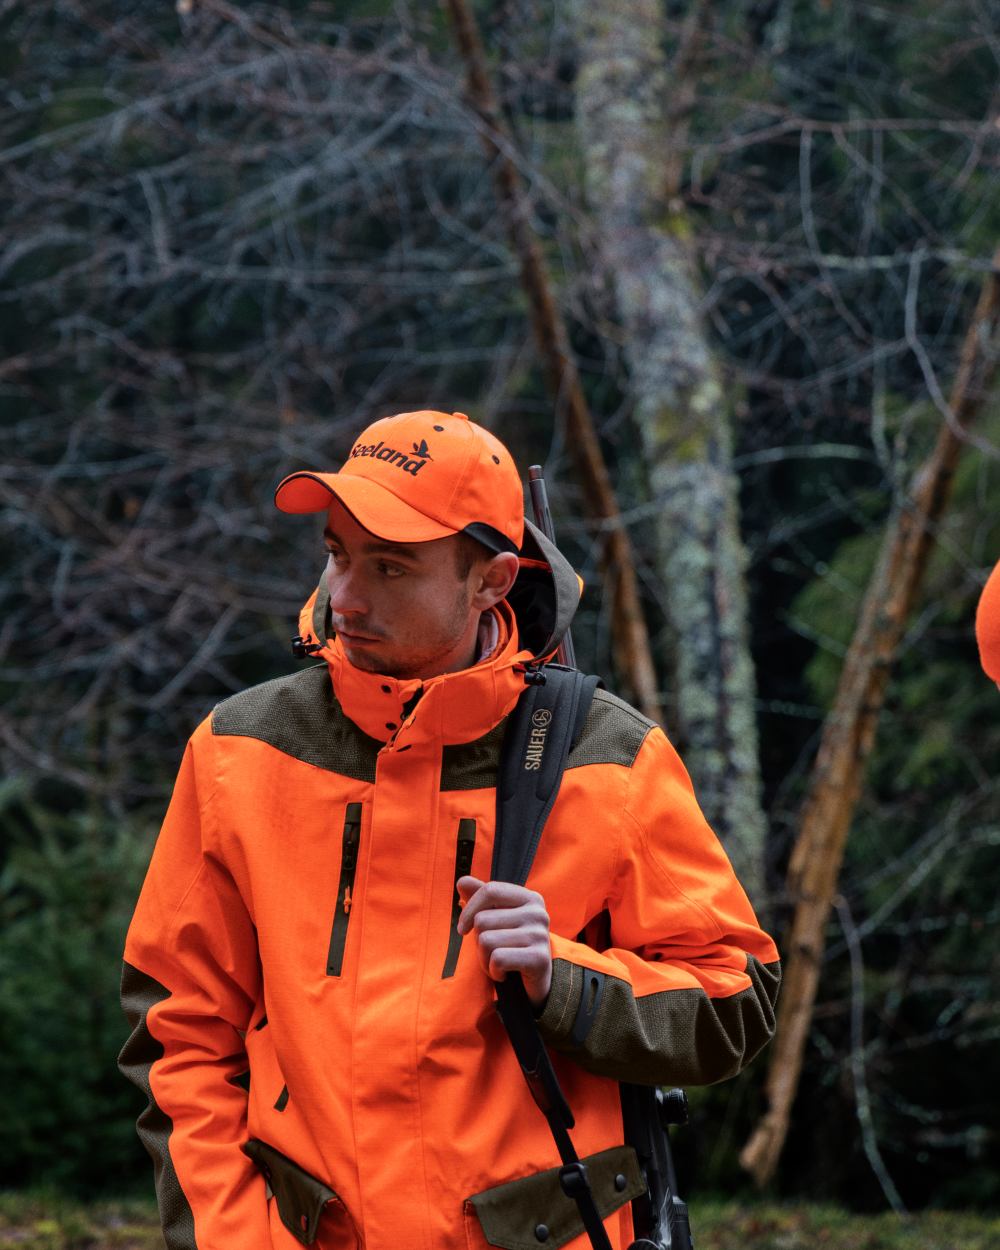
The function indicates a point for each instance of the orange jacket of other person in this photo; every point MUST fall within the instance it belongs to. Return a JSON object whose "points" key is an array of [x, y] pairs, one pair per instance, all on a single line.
{"points": [[293, 976], [988, 626]]}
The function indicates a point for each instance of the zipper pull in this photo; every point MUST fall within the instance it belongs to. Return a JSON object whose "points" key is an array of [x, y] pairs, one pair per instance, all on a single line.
{"points": [[347, 900]]}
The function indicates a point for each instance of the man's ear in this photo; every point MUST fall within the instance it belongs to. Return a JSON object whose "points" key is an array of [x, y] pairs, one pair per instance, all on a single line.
{"points": [[493, 579]]}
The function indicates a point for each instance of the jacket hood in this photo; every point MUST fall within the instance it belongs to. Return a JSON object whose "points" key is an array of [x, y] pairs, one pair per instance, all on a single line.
{"points": [[543, 599], [545, 595]]}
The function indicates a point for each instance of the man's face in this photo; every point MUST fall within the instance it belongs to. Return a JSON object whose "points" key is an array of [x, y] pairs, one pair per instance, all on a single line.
{"points": [[400, 609]]}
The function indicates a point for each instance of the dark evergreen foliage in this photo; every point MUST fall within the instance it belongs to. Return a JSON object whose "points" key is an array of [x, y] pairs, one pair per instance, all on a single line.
{"points": [[67, 886]]}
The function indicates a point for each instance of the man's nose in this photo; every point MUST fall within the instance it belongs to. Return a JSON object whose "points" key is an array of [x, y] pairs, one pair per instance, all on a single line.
{"points": [[346, 592]]}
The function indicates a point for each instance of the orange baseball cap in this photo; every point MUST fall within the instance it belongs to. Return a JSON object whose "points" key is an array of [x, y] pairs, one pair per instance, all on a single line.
{"points": [[418, 476], [988, 625]]}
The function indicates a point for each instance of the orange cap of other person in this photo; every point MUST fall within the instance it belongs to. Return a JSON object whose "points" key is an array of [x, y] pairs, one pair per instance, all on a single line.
{"points": [[988, 626], [418, 476]]}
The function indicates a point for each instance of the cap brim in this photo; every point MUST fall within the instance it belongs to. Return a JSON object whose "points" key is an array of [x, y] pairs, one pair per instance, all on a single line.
{"points": [[373, 507]]}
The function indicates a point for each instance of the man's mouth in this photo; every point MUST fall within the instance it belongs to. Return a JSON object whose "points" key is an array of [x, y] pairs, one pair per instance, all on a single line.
{"points": [[347, 636]]}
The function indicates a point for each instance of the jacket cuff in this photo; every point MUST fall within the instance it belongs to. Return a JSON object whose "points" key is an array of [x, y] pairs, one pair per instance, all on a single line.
{"points": [[556, 1021]]}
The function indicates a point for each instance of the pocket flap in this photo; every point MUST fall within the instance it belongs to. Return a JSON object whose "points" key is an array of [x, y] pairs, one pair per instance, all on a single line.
{"points": [[300, 1197], [510, 1214]]}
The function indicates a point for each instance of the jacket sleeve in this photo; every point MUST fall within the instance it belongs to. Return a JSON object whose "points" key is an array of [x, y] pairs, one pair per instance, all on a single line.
{"points": [[687, 987], [189, 985]]}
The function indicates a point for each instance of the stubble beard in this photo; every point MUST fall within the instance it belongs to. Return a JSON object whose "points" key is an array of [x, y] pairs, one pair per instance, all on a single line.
{"points": [[417, 662]]}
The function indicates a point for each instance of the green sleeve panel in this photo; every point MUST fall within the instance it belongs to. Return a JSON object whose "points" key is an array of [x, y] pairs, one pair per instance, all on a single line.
{"points": [[139, 993], [675, 1037], [687, 978]]}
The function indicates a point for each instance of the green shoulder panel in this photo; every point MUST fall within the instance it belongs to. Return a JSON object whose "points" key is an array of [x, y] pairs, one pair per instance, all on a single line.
{"points": [[300, 716], [473, 765], [612, 734]]}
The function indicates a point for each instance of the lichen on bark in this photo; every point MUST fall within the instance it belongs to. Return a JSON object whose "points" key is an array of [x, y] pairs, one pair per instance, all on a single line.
{"points": [[681, 411]]}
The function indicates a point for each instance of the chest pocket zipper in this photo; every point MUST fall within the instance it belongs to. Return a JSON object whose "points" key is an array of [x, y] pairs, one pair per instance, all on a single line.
{"points": [[463, 864], [345, 890]]}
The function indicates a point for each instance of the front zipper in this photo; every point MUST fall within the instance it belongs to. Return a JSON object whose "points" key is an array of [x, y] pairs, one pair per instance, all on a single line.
{"points": [[463, 864], [345, 891]]}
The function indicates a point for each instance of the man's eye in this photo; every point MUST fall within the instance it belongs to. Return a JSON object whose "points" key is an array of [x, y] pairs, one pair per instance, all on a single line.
{"points": [[390, 570]]}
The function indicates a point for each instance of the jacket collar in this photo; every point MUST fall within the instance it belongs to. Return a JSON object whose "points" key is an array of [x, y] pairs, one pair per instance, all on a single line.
{"points": [[450, 708]]}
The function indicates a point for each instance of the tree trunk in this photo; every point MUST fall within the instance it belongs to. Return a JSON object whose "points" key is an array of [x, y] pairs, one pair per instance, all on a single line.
{"points": [[849, 732], [632, 652], [629, 109]]}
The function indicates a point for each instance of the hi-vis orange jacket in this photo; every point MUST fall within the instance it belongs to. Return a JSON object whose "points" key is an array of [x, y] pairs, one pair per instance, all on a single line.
{"points": [[299, 996]]}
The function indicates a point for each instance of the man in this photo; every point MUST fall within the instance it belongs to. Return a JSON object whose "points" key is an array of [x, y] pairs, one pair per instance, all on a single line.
{"points": [[988, 626], [300, 922]]}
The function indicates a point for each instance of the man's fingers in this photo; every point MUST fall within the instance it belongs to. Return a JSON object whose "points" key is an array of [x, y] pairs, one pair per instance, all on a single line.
{"points": [[467, 886], [494, 939], [490, 896], [529, 961], [497, 893], [507, 918], [469, 891]]}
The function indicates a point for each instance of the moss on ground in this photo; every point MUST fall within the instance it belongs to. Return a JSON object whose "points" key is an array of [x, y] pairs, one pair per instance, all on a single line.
{"points": [[45, 1221], [42, 1221], [730, 1226]]}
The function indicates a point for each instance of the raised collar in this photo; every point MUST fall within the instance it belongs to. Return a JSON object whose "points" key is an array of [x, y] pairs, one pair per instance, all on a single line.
{"points": [[451, 708]]}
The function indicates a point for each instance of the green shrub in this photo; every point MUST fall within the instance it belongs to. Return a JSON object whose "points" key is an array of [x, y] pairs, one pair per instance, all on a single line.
{"points": [[68, 884]]}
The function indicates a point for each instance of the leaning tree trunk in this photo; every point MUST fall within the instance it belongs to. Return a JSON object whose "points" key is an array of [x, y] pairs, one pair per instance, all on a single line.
{"points": [[849, 730], [626, 122], [631, 649]]}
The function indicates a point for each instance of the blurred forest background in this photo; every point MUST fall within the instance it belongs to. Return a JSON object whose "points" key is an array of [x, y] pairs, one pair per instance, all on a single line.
{"points": [[749, 242]]}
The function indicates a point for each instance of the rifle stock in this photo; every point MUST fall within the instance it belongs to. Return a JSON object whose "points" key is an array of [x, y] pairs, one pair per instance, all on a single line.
{"points": [[660, 1217]]}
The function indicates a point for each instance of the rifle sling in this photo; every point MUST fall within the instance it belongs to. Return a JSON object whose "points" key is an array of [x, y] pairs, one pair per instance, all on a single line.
{"points": [[540, 733]]}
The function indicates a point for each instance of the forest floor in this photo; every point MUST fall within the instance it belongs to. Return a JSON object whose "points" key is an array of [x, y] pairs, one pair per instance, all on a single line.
{"points": [[40, 1222]]}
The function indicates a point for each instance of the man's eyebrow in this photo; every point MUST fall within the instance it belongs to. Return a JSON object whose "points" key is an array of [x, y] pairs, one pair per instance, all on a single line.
{"points": [[377, 546]]}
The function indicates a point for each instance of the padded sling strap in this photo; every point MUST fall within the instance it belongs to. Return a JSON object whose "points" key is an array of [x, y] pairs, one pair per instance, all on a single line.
{"points": [[540, 733]]}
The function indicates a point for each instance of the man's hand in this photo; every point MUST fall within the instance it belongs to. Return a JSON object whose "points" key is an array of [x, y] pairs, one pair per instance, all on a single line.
{"points": [[512, 932]]}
